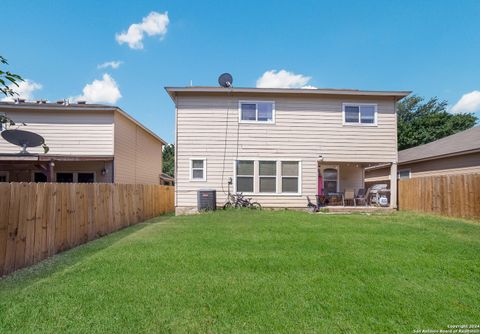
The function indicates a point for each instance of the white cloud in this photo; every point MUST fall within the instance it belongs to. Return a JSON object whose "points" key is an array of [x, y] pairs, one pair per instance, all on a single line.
{"points": [[114, 64], [153, 24], [25, 90], [283, 79], [469, 102], [100, 91]]}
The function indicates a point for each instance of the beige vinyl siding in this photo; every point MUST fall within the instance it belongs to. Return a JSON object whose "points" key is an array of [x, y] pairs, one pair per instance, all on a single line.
{"points": [[460, 164], [467, 163], [138, 155], [66, 132], [304, 129]]}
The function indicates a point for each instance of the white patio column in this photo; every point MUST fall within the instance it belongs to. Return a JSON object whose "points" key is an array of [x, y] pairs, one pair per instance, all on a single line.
{"points": [[393, 185]]}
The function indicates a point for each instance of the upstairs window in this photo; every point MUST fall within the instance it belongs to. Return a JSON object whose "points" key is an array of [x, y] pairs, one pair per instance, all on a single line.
{"points": [[198, 170], [364, 114], [257, 112]]}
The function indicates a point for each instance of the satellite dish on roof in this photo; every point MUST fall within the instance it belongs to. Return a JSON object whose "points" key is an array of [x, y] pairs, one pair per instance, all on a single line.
{"points": [[225, 80], [23, 139]]}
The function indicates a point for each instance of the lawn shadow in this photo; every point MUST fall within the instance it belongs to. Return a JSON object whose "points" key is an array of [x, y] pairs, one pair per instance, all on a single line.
{"points": [[64, 260]]}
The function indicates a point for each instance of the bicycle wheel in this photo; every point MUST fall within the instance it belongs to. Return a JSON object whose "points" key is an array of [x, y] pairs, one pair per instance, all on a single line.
{"points": [[227, 206], [255, 206]]}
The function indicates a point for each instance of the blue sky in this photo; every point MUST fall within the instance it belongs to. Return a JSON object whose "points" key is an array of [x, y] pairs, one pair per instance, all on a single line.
{"points": [[429, 47]]}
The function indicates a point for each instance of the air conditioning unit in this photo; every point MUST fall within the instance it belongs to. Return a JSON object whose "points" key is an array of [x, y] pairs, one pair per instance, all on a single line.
{"points": [[206, 199]]}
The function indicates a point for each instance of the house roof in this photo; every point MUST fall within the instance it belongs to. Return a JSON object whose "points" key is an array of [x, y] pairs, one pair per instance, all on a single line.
{"points": [[166, 177], [76, 107], [172, 91], [467, 141]]}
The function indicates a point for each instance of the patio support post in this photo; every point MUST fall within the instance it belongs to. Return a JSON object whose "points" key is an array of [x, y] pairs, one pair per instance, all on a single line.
{"points": [[393, 185], [50, 171]]}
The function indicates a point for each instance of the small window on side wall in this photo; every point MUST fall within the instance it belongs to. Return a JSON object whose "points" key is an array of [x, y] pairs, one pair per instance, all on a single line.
{"points": [[198, 170], [404, 174], [360, 114]]}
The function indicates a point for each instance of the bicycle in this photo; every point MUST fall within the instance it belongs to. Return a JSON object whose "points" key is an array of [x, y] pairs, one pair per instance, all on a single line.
{"points": [[239, 201]]}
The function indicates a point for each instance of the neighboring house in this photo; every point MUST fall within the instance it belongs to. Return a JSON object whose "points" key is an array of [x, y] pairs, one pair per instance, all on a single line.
{"points": [[280, 145], [88, 143], [167, 180], [455, 154]]}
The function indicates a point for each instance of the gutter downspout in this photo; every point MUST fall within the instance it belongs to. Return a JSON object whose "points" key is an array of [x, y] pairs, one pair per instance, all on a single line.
{"points": [[175, 163]]}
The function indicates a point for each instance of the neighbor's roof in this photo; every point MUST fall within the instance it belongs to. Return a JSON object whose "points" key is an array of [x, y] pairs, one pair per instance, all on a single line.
{"points": [[467, 141], [167, 177], [172, 91], [76, 107]]}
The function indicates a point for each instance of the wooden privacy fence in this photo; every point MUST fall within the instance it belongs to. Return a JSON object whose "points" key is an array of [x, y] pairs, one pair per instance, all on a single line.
{"points": [[38, 220], [449, 195]]}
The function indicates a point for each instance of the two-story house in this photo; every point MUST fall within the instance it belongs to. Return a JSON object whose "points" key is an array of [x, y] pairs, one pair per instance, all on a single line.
{"points": [[88, 143], [280, 145]]}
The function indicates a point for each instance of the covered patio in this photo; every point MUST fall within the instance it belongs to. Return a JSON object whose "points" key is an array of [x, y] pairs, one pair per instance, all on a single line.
{"points": [[55, 168], [342, 184]]}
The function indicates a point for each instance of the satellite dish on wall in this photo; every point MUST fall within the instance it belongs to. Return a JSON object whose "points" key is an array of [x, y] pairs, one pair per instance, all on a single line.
{"points": [[23, 139], [225, 80]]}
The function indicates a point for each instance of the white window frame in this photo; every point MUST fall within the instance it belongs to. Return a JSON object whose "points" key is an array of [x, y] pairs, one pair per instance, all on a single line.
{"points": [[266, 176], [204, 170], [359, 123], [256, 102], [6, 174], [256, 176], [404, 170], [75, 174], [279, 164]]}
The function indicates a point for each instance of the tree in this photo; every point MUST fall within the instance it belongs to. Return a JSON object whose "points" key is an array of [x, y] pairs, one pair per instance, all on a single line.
{"points": [[422, 122], [168, 155], [7, 79]]}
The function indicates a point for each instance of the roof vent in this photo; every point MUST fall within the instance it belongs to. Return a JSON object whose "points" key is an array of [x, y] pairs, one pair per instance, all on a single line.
{"points": [[81, 102]]}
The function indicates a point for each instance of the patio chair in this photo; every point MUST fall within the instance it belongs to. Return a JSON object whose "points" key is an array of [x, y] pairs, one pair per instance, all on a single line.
{"points": [[335, 198], [362, 197], [349, 196]]}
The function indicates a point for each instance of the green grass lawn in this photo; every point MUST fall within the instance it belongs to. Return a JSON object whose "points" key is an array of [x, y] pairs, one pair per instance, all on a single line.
{"points": [[248, 271]]}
